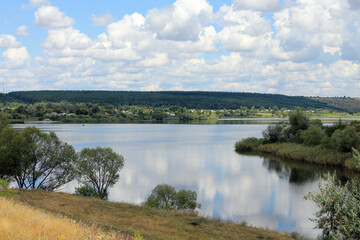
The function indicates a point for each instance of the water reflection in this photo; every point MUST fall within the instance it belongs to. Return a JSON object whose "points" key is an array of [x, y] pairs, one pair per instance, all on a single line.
{"points": [[295, 175], [260, 190]]}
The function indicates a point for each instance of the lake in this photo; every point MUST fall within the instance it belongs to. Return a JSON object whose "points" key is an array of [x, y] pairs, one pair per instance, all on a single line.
{"points": [[201, 157]]}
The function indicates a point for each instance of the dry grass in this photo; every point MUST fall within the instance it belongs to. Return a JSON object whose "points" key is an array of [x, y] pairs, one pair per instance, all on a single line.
{"points": [[18, 221], [152, 223]]}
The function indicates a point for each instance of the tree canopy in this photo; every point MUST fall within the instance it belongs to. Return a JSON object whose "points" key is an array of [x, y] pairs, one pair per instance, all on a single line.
{"points": [[99, 167]]}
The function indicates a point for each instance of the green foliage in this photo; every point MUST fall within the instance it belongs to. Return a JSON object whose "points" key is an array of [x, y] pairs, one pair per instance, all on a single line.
{"points": [[247, 145], [165, 197], [339, 208], [4, 184], [87, 191], [339, 125], [354, 162], [194, 100], [345, 140], [299, 152], [275, 132], [162, 196], [312, 136], [186, 199], [35, 159], [298, 121], [99, 167]]}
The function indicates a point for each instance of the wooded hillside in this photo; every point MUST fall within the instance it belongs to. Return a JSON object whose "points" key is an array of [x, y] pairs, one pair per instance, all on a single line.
{"points": [[195, 99]]}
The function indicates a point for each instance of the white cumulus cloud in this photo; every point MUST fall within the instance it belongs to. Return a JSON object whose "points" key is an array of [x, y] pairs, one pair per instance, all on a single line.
{"points": [[180, 22], [8, 41], [22, 31], [51, 17], [16, 57]]}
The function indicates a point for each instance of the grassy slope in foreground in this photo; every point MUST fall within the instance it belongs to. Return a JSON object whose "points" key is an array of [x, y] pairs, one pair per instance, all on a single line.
{"points": [[36, 224], [152, 223]]}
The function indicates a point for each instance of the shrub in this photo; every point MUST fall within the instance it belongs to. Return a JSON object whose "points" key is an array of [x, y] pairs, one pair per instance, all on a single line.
{"points": [[339, 207], [298, 121], [312, 136], [4, 184], [345, 140], [87, 191], [165, 197], [248, 144], [275, 133]]}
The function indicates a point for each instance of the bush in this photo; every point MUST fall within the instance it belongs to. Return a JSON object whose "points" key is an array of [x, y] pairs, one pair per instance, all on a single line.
{"points": [[312, 136], [87, 191], [248, 144], [165, 197], [345, 140], [275, 133], [339, 208], [4, 184], [298, 121]]}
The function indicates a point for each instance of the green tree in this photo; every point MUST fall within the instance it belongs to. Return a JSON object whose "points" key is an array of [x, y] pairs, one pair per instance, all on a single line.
{"points": [[164, 196], [298, 121], [35, 159], [99, 168], [186, 199], [339, 208], [345, 140], [275, 133], [312, 136]]}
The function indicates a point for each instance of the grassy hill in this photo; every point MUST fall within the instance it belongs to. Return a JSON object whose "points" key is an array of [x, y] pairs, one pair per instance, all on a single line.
{"points": [[151, 223], [349, 104]]}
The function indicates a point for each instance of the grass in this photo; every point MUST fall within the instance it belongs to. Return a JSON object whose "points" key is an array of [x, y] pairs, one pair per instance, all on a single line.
{"points": [[153, 224], [299, 152], [19, 221]]}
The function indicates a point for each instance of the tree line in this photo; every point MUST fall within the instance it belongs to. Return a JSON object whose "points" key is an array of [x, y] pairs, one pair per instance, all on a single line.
{"points": [[188, 99]]}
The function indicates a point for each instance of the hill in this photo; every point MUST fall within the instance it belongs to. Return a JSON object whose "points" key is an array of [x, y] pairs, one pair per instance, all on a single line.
{"points": [[151, 223], [350, 104], [193, 99]]}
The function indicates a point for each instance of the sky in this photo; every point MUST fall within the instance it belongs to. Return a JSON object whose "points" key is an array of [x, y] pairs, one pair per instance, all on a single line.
{"points": [[292, 47]]}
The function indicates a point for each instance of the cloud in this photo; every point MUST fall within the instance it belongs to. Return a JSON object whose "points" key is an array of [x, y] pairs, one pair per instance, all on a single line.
{"points": [[180, 22], [16, 57], [354, 4], [102, 20], [35, 3], [258, 5], [296, 47], [8, 41], [22, 31], [51, 17]]}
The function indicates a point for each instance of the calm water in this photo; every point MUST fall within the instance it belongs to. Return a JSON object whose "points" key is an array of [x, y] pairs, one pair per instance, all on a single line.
{"points": [[262, 191]]}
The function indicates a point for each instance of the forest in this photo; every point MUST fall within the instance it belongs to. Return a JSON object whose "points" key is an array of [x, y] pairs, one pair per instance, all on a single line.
{"points": [[187, 99]]}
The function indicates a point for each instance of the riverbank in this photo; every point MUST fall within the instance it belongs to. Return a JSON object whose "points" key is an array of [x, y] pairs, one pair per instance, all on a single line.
{"points": [[300, 153], [151, 223]]}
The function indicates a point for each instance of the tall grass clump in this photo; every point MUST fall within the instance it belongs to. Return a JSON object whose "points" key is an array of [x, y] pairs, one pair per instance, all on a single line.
{"points": [[36, 224], [248, 145], [299, 152]]}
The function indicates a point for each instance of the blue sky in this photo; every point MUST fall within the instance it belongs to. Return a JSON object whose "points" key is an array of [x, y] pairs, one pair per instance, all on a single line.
{"points": [[301, 47]]}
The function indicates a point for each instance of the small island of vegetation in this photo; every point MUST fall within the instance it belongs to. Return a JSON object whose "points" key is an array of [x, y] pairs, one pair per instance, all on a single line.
{"points": [[302, 139]]}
